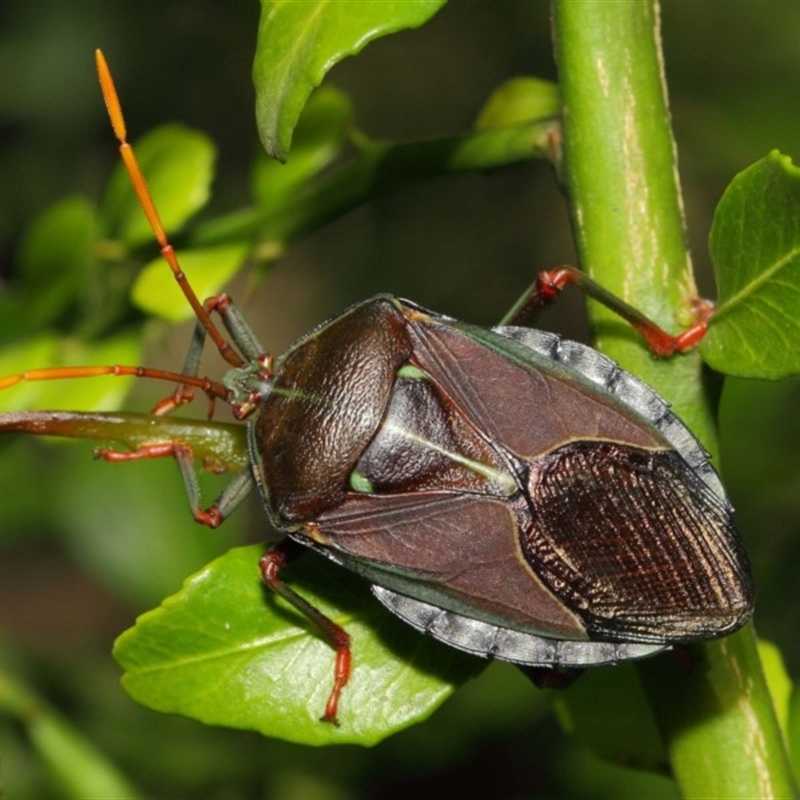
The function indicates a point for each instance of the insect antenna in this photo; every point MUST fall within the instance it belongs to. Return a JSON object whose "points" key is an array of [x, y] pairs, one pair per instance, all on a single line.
{"points": [[213, 389], [146, 199]]}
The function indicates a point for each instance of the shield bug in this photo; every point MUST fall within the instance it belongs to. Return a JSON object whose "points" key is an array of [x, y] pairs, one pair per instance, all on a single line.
{"points": [[511, 493]]}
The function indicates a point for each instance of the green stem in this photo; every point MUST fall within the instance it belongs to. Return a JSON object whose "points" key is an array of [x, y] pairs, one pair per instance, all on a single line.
{"points": [[379, 168], [717, 720]]}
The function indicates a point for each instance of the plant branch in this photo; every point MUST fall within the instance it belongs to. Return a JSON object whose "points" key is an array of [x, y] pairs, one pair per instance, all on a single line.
{"points": [[377, 169], [717, 719]]}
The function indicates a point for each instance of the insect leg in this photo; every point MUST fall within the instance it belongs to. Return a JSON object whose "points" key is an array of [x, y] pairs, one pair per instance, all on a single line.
{"points": [[228, 499], [240, 330], [549, 284], [237, 325], [183, 392], [337, 637]]}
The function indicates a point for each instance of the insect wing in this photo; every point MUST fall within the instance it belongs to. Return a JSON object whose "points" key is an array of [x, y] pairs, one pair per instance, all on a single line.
{"points": [[451, 550], [608, 533]]}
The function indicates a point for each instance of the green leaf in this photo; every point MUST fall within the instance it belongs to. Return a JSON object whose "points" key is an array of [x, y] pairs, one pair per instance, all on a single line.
{"points": [[794, 728], [318, 140], [298, 43], [778, 680], [519, 100], [77, 766], [156, 291], [55, 256], [178, 165], [50, 350], [755, 247], [225, 651]]}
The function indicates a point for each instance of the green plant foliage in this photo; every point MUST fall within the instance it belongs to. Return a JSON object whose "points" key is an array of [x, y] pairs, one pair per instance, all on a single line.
{"points": [[77, 767], [298, 43], [225, 651], [178, 164], [519, 100], [51, 350], [55, 256], [793, 733], [780, 684], [318, 140], [156, 292], [755, 246]]}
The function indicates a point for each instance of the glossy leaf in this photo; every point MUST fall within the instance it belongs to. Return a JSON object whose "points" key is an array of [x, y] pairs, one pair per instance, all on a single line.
{"points": [[225, 651], [298, 43], [755, 246], [156, 292], [178, 165], [318, 140], [517, 101]]}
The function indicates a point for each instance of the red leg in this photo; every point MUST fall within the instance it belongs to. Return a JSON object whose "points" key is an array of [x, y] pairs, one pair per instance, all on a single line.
{"points": [[551, 283], [182, 453], [337, 637]]}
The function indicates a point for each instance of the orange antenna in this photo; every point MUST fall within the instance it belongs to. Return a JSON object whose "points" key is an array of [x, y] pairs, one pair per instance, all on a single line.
{"points": [[213, 389], [146, 199]]}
